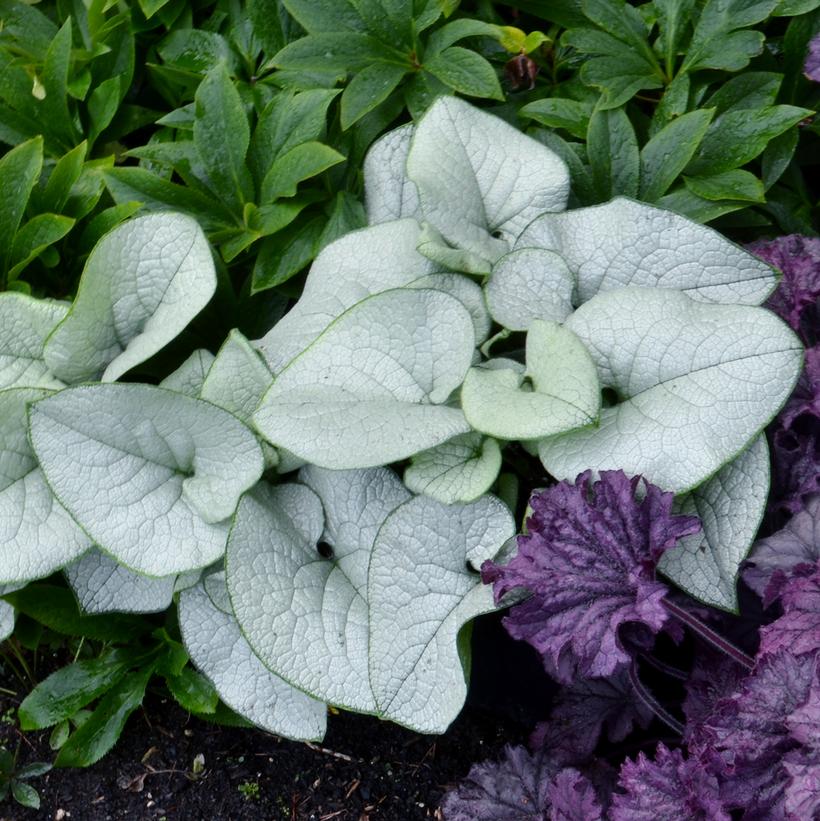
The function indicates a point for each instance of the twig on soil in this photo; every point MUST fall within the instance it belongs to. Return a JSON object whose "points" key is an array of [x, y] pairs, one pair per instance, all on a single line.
{"points": [[318, 749]]}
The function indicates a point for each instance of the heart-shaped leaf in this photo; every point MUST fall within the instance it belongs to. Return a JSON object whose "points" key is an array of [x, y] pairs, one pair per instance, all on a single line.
{"points": [[308, 608], [423, 588], [101, 585], [37, 535], [24, 325], [370, 390], [358, 265], [459, 470], [481, 181], [529, 284], [628, 243], [237, 381], [151, 475], [558, 392], [730, 506], [189, 377], [303, 605], [695, 382], [142, 285], [389, 193], [218, 648]]}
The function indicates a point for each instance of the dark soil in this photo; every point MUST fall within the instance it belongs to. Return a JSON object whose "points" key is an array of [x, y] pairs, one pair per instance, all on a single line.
{"points": [[364, 769]]}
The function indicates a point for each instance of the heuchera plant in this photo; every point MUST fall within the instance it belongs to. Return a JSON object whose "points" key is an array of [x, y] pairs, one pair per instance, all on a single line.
{"points": [[474, 311]]}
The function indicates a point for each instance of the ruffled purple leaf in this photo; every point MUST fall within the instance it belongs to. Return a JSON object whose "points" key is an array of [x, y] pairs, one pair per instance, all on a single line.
{"points": [[805, 399], [589, 562], [516, 788], [668, 787], [714, 676], [812, 67], [573, 798], [795, 299], [795, 466], [582, 710], [804, 722], [802, 792], [751, 724], [798, 629], [792, 551]]}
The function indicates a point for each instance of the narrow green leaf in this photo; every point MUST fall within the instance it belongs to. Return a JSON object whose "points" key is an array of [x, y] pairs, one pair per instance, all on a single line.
{"points": [[56, 608], [778, 155], [613, 154], [736, 184], [62, 179], [193, 692], [281, 257], [128, 185], [465, 71], [325, 15], [369, 88], [70, 688], [751, 89], [34, 237], [456, 30], [25, 795], [300, 163], [558, 112], [669, 151], [56, 66], [222, 137], [739, 136], [19, 170], [718, 43], [99, 734]]}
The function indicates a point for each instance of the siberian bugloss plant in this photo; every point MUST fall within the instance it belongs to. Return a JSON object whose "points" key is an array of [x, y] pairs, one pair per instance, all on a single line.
{"points": [[263, 486]]}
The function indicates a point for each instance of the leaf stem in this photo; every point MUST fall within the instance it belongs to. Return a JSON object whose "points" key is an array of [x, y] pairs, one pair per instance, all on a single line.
{"points": [[710, 636], [651, 702], [663, 667]]}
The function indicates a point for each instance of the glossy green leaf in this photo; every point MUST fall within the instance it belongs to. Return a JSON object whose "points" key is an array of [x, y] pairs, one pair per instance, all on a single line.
{"points": [[72, 687], [466, 72], [222, 136], [101, 731], [669, 151]]}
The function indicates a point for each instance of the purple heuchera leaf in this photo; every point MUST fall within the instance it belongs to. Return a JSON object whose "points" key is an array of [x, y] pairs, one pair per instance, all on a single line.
{"points": [[812, 66], [573, 798], [795, 299], [795, 466], [798, 629], [714, 676], [580, 712], [589, 561], [805, 400], [668, 787], [523, 786], [516, 788], [802, 794], [750, 734], [792, 551]]}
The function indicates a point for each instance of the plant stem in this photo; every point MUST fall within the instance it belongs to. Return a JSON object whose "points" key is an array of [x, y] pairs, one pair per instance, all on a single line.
{"points": [[708, 635], [651, 702], [662, 667]]}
